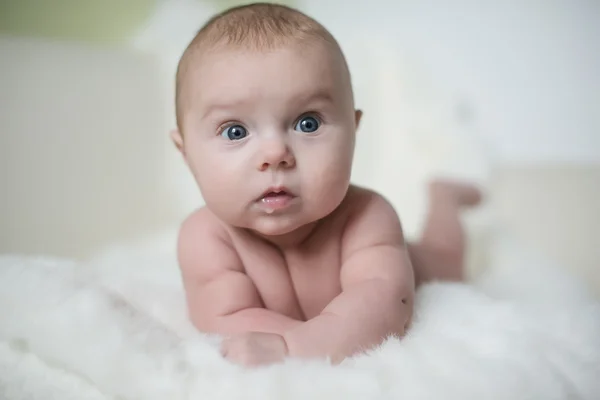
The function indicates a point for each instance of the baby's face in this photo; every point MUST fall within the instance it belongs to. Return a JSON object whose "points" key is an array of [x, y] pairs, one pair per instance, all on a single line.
{"points": [[269, 136]]}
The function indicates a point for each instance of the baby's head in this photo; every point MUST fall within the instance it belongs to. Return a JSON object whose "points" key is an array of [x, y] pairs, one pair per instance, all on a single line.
{"points": [[266, 118]]}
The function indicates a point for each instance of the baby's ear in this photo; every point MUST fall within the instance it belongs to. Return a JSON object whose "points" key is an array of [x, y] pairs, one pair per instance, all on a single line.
{"points": [[357, 117], [177, 140]]}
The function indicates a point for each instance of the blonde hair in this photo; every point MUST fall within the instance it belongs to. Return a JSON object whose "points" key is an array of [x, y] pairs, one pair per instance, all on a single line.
{"points": [[257, 26]]}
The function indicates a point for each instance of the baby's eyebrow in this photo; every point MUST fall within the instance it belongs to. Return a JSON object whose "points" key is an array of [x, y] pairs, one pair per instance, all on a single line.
{"points": [[215, 107], [317, 96], [321, 95]]}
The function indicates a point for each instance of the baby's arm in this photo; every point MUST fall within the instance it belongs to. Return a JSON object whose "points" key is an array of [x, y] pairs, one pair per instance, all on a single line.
{"points": [[377, 288], [221, 298]]}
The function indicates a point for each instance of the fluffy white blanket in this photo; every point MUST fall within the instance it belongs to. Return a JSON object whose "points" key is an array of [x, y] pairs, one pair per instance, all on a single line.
{"points": [[116, 328]]}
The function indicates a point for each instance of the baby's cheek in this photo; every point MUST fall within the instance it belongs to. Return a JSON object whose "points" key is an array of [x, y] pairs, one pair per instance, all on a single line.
{"points": [[213, 180], [329, 181], [337, 167]]}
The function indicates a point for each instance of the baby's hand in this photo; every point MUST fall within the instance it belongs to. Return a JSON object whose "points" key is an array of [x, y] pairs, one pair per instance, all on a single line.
{"points": [[254, 348]]}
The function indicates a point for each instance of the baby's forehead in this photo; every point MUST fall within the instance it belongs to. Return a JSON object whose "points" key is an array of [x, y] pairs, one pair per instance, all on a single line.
{"points": [[325, 54], [292, 61]]}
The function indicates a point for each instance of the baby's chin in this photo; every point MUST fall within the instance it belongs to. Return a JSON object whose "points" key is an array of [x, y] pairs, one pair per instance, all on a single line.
{"points": [[262, 223], [275, 226], [282, 229]]}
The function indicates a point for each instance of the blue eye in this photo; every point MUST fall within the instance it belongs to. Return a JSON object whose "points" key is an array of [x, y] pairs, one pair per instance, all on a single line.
{"points": [[234, 132], [307, 124]]}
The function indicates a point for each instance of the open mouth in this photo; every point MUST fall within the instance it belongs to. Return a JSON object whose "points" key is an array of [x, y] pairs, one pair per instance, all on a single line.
{"points": [[276, 198]]}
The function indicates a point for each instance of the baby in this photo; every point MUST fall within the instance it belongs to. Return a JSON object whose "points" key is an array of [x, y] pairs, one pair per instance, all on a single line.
{"points": [[288, 258]]}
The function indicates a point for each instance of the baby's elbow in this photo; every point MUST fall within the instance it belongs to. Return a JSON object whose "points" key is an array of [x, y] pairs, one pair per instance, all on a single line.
{"points": [[406, 311], [401, 309]]}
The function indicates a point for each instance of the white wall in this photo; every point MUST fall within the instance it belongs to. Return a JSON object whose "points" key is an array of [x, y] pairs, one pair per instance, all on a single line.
{"points": [[528, 69], [83, 148]]}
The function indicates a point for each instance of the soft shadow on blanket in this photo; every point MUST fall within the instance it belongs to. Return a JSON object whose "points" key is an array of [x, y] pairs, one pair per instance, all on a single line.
{"points": [[116, 328]]}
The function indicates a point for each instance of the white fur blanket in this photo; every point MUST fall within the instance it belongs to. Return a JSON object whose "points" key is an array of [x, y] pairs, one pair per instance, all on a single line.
{"points": [[116, 328]]}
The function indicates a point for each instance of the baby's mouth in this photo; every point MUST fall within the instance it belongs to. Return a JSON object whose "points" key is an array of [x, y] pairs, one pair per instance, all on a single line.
{"points": [[276, 199], [275, 195]]}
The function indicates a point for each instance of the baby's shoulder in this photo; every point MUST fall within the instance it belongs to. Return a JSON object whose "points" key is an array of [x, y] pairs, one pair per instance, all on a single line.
{"points": [[369, 214], [203, 237], [202, 223], [361, 201]]}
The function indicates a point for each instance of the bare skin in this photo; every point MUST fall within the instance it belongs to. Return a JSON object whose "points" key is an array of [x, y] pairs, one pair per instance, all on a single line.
{"points": [[301, 293], [315, 294], [439, 254]]}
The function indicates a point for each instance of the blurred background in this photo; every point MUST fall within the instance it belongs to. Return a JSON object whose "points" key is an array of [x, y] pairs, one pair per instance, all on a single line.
{"points": [[503, 93]]}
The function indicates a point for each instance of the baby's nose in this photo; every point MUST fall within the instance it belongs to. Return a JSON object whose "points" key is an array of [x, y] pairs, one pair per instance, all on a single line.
{"points": [[276, 154]]}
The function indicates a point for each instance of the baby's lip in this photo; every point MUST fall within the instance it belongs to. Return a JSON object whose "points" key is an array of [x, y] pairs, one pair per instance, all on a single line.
{"points": [[276, 190]]}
